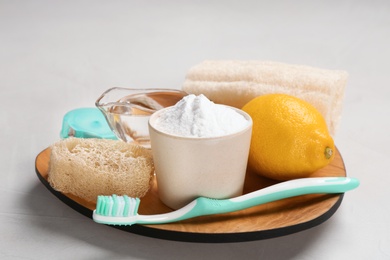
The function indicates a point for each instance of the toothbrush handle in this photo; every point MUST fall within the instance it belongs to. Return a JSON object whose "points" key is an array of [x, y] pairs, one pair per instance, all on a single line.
{"points": [[287, 189]]}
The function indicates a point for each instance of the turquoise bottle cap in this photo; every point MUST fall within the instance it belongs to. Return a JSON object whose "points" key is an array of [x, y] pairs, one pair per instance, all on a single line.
{"points": [[86, 122]]}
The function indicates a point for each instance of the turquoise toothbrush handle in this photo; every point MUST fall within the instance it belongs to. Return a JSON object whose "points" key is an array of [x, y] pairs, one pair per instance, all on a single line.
{"points": [[206, 206]]}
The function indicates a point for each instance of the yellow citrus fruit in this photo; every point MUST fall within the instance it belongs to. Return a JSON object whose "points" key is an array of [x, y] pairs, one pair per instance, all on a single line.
{"points": [[290, 138]]}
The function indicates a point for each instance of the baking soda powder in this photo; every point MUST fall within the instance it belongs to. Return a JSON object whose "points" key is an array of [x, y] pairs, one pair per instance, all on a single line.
{"points": [[196, 116]]}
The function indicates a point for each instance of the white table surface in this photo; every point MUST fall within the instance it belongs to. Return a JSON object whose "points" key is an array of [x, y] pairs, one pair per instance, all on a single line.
{"points": [[59, 55]]}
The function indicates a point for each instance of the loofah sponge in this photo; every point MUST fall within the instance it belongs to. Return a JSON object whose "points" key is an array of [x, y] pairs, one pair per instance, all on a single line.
{"points": [[91, 167], [235, 83]]}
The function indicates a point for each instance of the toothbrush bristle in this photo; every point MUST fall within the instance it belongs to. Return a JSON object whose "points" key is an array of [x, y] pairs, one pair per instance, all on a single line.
{"points": [[117, 206]]}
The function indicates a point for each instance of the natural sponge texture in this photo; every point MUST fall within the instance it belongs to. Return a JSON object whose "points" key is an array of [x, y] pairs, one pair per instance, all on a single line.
{"points": [[235, 83], [91, 167]]}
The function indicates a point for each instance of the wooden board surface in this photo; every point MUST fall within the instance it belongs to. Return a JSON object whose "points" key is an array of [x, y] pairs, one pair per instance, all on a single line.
{"points": [[264, 221]]}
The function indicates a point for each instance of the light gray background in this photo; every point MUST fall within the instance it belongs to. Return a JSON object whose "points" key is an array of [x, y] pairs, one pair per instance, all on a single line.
{"points": [[59, 55]]}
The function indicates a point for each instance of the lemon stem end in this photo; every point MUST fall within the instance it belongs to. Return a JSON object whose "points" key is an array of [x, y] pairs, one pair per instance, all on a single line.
{"points": [[328, 152]]}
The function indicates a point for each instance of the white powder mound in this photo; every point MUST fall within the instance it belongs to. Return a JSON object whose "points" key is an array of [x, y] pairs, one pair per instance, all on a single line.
{"points": [[197, 116]]}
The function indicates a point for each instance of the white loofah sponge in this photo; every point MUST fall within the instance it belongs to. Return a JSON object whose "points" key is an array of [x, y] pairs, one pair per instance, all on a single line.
{"points": [[235, 83]]}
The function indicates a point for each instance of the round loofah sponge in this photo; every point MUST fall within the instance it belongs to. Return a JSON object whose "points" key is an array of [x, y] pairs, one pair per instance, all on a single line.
{"points": [[91, 167]]}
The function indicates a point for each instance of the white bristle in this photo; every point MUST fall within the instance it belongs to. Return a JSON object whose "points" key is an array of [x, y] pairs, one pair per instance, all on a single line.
{"points": [[132, 206], [126, 206], [121, 206]]}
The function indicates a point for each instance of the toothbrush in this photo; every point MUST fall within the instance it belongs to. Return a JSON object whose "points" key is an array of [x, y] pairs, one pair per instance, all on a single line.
{"points": [[122, 210]]}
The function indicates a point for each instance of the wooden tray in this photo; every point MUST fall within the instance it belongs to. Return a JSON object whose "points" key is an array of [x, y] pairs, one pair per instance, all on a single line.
{"points": [[270, 220]]}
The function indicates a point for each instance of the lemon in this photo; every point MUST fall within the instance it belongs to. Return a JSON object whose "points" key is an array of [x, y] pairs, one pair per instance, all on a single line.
{"points": [[290, 138]]}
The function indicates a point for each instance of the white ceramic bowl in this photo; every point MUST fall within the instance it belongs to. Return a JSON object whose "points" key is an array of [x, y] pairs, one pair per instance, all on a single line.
{"points": [[189, 167]]}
